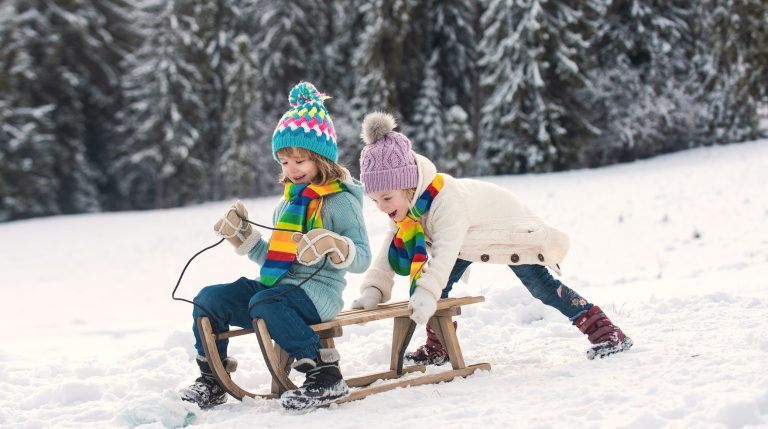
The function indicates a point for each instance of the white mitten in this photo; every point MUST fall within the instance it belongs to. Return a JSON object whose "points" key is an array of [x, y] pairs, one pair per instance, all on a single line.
{"points": [[423, 305], [370, 298], [316, 243], [233, 227]]}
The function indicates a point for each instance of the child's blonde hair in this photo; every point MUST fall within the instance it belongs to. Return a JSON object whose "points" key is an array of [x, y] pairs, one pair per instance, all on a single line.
{"points": [[409, 194], [327, 170]]}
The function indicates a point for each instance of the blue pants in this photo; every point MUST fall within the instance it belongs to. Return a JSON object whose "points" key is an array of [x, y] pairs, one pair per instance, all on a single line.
{"points": [[540, 283], [287, 316]]}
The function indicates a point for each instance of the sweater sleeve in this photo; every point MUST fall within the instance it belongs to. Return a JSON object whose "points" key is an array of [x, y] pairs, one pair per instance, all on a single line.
{"points": [[345, 213], [381, 275]]}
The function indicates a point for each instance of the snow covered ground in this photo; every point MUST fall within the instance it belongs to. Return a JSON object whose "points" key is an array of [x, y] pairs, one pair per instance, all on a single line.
{"points": [[675, 249]]}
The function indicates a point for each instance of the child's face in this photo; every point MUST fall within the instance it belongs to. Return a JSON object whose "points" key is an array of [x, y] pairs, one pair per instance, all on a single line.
{"points": [[298, 168], [394, 203]]}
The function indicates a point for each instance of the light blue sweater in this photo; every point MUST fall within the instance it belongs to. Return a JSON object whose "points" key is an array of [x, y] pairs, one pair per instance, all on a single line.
{"points": [[341, 213]]}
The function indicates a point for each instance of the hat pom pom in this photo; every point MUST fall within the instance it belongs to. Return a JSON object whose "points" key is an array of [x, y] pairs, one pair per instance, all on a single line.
{"points": [[305, 92], [376, 125]]}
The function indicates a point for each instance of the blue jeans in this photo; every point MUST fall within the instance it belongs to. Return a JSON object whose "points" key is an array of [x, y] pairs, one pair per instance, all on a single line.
{"points": [[540, 283], [287, 316]]}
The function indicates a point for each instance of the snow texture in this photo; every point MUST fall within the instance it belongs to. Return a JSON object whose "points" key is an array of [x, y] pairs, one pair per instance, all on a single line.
{"points": [[674, 249]]}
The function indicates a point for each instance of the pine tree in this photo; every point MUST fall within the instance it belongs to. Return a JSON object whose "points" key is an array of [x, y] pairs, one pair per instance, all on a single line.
{"points": [[426, 130], [28, 186], [339, 77], [246, 157], [457, 62], [454, 40], [532, 53], [210, 57], [290, 44], [734, 68], [294, 42], [65, 55], [378, 64], [116, 104], [441, 70], [235, 135], [27, 183], [160, 162], [378, 59], [645, 101], [111, 22], [459, 142]]}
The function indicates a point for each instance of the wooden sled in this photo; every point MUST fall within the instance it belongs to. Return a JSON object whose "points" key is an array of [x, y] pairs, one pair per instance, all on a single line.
{"points": [[279, 363]]}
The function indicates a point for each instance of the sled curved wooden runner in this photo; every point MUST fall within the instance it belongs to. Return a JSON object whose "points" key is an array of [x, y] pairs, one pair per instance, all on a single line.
{"points": [[278, 362]]}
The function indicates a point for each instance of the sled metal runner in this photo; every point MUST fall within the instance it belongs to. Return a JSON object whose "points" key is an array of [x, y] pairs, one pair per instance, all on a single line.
{"points": [[279, 363]]}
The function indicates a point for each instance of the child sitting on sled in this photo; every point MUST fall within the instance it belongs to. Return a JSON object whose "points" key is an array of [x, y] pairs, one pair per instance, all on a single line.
{"points": [[449, 219], [320, 215]]}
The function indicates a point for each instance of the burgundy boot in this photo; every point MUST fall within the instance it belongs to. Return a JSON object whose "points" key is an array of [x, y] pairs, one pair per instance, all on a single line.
{"points": [[606, 337], [431, 353]]}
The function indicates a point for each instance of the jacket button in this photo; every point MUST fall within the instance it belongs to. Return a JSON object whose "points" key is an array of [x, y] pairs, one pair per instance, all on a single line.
{"points": [[485, 258], [515, 258], [541, 257]]}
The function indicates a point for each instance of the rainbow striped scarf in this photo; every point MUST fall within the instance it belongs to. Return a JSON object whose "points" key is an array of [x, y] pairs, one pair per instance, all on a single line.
{"points": [[302, 214], [408, 251]]}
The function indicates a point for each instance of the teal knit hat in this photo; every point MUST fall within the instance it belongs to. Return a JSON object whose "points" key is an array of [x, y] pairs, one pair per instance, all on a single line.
{"points": [[307, 124]]}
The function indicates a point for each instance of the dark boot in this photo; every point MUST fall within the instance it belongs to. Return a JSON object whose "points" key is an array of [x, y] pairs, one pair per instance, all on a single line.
{"points": [[606, 337], [323, 385], [431, 353], [206, 391]]}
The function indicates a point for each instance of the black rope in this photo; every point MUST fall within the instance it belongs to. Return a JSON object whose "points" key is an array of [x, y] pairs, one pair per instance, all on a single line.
{"points": [[178, 282], [250, 307]]}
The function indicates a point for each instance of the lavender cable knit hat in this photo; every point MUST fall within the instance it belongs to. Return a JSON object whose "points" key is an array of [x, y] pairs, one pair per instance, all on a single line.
{"points": [[386, 162]]}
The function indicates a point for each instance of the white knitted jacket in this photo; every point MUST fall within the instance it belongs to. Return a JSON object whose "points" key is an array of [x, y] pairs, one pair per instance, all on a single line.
{"points": [[472, 220]]}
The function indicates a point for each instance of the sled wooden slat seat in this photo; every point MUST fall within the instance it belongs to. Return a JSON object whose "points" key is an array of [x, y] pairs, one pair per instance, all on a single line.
{"points": [[278, 362]]}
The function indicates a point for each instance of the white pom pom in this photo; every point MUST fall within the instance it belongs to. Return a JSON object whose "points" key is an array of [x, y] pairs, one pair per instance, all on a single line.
{"points": [[376, 125]]}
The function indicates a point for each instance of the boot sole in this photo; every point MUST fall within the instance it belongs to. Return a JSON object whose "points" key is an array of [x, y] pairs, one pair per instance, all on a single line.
{"points": [[197, 400], [605, 349], [300, 403], [424, 362]]}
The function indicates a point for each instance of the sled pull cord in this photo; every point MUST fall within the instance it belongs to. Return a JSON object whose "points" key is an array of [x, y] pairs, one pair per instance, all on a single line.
{"points": [[205, 310]]}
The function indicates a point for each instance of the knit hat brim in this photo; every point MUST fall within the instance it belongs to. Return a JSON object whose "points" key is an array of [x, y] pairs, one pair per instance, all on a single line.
{"points": [[299, 138], [405, 177]]}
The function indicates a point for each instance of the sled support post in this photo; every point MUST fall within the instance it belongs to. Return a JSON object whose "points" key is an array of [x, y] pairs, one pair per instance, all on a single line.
{"points": [[402, 331], [209, 339], [279, 363]]}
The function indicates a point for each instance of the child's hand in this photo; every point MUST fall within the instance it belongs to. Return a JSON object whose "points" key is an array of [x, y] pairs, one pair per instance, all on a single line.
{"points": [[233, 227], [370, 298], [312, 246], [423, 304]]}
